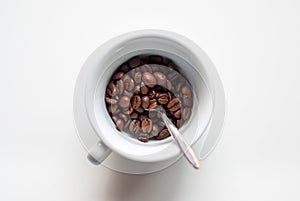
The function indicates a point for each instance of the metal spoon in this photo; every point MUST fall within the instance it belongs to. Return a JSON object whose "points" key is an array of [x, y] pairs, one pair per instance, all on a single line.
{"points": [[183, 145]]}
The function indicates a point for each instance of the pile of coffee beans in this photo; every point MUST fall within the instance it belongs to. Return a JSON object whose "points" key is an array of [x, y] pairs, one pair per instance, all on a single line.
{"points": [[141, 84]]}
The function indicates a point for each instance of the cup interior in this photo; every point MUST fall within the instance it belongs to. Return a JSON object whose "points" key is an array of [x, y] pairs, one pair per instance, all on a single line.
{"points": [[191, 70]]}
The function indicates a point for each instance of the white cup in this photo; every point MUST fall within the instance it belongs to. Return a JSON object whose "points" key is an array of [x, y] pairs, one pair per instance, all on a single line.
{"points": [[96, 72]]}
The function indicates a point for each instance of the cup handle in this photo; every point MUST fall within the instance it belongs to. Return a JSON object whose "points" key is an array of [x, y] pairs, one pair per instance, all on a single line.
{"points": [[98, 153]]}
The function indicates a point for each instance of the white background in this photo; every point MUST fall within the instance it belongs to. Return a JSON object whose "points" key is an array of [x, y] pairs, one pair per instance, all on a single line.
{"points": [[255, 46]]}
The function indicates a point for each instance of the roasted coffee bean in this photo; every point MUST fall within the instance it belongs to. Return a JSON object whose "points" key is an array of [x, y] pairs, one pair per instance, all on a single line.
{"points": [[155, 130], [134, 62], [110, 101], [128, 110], [111, 89], [127, 93], [173, 76], [155, 67], [136, 101], [137, 89], [178, 86], [146, 68], [152, 104], [186, 113], [118, 75], [178, 123], [155, 59], [160, 78], [124, 101], [163, 98], [114, 118], [163, 134], [125, 68], [143, 137], [174, 105], [120, 87], [120, 124], [134, 126], [151, 94], [113, 109], [146, 125], [177, 114], [145, 101], [187, 100], [185, 90], [144, 88], [127, 124], [169, 85], [171, 65], [134, 115], [124, 117], [128, 83], [149, 79], [140, 110], [138, 77]]}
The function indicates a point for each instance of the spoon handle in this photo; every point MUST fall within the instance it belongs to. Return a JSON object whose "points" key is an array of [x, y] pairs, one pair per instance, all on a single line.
{"points": [[184, 146]]}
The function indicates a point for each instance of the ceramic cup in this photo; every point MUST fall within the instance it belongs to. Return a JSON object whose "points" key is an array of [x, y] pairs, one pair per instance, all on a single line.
{"points": [[193, 64]]}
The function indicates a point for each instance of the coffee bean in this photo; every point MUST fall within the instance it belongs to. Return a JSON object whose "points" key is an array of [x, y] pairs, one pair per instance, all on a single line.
{"points": [[124, 117], [145, 102], [186, 113], [140, 110], [124, 102], [128, 110], [185, 90], [143, 137], [110, 101], [149, 79], [134, 62], [155, 130], [177, 114], [137, 89], [171, 65], [144, 88], [136, 101], [173, 76], [125, 68], [127, 124], [187, 100], [152, 104], [120, 87], [178, 86], [163, 98], [118, 75], [169, 85], [147, 125], [174, 105], [155, 59], [128, 83], [163, 134], [113, 109], [154, 67], [120, 124], [178, 123], [138, 77], [134, 126], [146, 68], [160, 78], [111, 89], [151, 94], [134, 115]]}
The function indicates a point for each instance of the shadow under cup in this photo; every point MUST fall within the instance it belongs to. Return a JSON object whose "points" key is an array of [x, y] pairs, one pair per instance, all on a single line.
{"points": [[154, 150]]}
